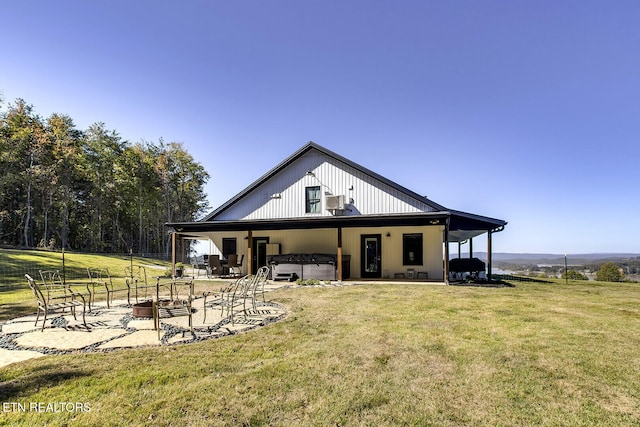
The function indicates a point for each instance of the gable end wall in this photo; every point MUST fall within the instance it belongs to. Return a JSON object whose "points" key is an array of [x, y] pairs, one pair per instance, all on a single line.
{"points": [[283, 195]]}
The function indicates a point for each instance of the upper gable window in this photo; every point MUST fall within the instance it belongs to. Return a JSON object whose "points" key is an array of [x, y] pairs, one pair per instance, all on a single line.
{"points": [[312, 200]]}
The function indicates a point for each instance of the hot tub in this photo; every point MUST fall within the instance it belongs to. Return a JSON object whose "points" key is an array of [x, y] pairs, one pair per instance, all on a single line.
{"points": [[303, 266]]}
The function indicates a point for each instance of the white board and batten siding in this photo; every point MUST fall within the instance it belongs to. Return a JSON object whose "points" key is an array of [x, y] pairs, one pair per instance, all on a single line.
{"points": [[283, 195]]}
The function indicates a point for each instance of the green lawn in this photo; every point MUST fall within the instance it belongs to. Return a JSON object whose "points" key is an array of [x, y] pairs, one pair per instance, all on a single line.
{"points": [[534, 354], [17, 299]]}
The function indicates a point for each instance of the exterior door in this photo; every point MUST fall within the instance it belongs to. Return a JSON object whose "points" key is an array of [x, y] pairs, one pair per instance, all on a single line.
{"points": [[259, 253], [370, 260]]}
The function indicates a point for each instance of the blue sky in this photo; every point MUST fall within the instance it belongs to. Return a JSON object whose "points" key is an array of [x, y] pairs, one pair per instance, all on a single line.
{"points": [[519, 110]]}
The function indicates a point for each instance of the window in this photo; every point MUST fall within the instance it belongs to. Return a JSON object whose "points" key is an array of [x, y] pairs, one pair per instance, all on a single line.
{"points": [[412, 249], [312, 200], [228, 247]]}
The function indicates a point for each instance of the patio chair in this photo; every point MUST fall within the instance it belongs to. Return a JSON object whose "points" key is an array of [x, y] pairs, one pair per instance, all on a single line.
{"points": [[173, 306], [57, 300], [223, 297], [195, 267], [53, 284], [258, 287], [234, 265], [99, 277], [242, 294], [214, 268], [136, 276]]}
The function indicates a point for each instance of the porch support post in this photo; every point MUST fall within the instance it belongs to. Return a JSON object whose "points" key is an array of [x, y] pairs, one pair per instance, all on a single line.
{"points": [[173, 253], [470, 247], [446, 253], [182, 249], [339, 254], [249, 252], [459, 249], [489, 255]]}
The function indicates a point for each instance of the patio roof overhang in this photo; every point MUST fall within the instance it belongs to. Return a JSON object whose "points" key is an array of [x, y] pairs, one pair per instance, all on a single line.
{"points": [[462, 226]]}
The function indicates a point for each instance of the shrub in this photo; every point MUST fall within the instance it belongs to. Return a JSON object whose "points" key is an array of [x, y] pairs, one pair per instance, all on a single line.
{"points": [[307, 282], [609, 272], [574, 275]]}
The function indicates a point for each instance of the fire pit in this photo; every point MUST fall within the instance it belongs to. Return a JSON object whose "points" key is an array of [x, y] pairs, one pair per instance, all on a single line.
{"points": [[166, 308], [143, 310]]}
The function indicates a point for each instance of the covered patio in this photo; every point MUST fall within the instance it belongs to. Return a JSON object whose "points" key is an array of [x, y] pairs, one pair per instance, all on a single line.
{"points": [[336, 231]]}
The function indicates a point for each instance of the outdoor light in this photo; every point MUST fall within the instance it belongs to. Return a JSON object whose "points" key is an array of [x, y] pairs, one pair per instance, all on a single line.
{"points": [[312, 174]]}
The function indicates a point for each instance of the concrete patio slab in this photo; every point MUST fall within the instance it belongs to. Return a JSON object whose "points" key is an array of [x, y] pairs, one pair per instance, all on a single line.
{"points": [[135, 339], [8, 357], [62, 339]]}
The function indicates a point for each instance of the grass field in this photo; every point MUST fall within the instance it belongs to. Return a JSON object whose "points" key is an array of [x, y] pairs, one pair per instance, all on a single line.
{"points": [[17, 299], [533, 354]]}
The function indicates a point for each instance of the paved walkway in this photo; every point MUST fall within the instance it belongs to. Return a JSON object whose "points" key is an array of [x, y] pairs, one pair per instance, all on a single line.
{"points": [[115, 328]]}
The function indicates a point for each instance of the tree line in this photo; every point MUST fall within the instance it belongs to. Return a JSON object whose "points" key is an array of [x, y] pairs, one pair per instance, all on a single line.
{"points": [[90, 190]]}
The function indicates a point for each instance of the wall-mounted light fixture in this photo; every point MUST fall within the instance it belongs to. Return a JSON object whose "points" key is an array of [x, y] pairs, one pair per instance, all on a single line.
{"points": [[312, 174], [388, 234], [276, 196]]}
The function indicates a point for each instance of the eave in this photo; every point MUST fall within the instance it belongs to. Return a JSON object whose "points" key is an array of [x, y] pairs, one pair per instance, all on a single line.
{"points": [[461, 224], [387, 220]]}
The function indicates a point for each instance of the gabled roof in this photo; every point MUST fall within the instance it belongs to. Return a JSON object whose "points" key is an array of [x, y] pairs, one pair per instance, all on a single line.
{"points": [[301, 152], [461, 225]]}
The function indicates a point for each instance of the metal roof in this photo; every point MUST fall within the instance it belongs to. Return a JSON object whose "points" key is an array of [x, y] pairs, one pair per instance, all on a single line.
{"points": [[303, 150], [462, 225]]}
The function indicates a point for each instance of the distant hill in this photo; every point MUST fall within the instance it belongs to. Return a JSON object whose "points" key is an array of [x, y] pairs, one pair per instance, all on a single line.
{"points": [[528, 258]]}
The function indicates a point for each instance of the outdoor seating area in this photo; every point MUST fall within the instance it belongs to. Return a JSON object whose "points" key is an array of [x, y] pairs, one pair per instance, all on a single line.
{"points": [[173, 315], [222, 268]]}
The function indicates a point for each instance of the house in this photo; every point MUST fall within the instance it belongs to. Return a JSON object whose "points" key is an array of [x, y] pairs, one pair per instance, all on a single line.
{"points": [[318, 202]]}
